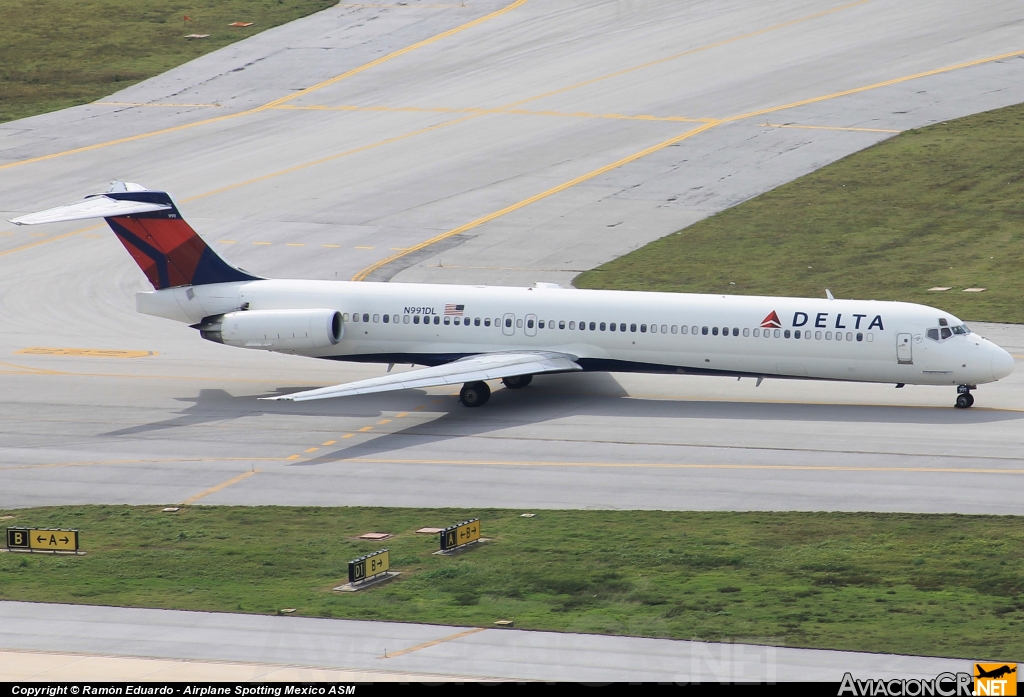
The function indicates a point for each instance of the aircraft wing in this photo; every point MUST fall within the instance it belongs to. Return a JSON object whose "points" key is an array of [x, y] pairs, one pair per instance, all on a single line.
{"points": [[92, 207], [484, 366]]}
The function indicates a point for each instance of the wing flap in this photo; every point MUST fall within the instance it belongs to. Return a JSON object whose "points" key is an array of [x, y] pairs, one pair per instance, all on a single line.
{"points": [[485, 366], [92, 207]]}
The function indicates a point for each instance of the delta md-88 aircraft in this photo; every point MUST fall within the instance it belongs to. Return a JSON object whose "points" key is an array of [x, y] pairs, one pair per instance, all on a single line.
{"points": [[471, 334]]}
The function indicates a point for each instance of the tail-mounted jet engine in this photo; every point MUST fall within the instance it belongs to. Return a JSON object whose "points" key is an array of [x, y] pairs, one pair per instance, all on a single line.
{"points": [[275, 330]]}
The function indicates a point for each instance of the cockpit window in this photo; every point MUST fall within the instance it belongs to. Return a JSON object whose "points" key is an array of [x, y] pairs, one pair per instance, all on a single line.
{"points": [[945, 333], [961, 329], [933, 334]]}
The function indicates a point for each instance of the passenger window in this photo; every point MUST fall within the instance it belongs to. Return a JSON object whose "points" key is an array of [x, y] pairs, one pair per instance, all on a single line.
{"points": [[828, 336], [777, 333], [611, 327], [807, 334], [508, 322], [757, 332], [746, 332], [519, 324], [725, 331], [355, 316], [704, 331], [735, 331], [871, 337], [654, 329], [583, 326], [405, 319], [933, 334], [540, 324], [674, 329], [786, 334], [860, 336], [415, 319], [796, 334], [849, 336], [572, 325], [817, 336], [593, 326], [622, 326], [714, 331], [945, 333], [839, 336], [447, 320], [561, 324], [529, 324], [602, 326], [387, 318], [632, 327], [376, 318], [683, 329], [643, 328], [344, 317], [366, 317]]}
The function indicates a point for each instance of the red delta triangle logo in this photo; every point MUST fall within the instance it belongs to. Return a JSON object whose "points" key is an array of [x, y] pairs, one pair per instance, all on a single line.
{"points": [[771, 321]]}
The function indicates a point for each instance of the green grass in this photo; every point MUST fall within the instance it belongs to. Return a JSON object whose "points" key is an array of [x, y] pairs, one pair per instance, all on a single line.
{"points": [[937, 206], [922, 584], [59, 53]]}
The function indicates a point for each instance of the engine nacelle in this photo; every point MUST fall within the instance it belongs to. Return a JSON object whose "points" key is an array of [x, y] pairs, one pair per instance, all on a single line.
{"points": [[276, 330]]}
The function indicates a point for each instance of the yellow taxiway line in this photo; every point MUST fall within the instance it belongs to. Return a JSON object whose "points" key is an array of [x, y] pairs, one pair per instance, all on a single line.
{"points": [[222, 485]]}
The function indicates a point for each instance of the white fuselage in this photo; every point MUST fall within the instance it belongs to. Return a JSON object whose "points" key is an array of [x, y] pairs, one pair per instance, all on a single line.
{"points": [[857, 340]]}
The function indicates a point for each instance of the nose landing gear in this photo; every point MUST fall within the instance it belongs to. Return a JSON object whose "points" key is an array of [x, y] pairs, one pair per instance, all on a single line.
{"points": [[964, 398]]}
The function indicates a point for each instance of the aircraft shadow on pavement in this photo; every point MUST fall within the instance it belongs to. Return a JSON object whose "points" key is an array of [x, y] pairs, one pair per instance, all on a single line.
{"points": [[600, 395]]}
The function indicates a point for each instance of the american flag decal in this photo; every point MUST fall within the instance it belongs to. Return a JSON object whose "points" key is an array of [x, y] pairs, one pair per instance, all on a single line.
{"points": [[455, 310]]}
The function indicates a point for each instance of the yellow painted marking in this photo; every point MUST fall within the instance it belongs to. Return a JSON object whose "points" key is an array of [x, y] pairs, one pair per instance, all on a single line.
{"points": [[829, 128], [361, 276], [499, 110], [364, 248], [281, 100], [330, 442], [151, 104], [1017, 355], [330, 245], [656, 465], [401, 414], [293, 457], [263, 243], [295, 244], [435, 642], [48, 239], [383, 421], [222, 485], [689, 52], [97, 463], [311, 450], [228, 241], [886, 83], [348, 435], [366, 428], [92, 353], [419, 408]]}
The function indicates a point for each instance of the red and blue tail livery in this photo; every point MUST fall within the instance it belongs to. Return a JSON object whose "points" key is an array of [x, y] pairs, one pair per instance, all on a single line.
{"points": [[166, 248]]}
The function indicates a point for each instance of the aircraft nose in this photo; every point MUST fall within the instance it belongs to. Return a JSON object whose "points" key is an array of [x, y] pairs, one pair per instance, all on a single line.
{"points": [[1002, 363]]}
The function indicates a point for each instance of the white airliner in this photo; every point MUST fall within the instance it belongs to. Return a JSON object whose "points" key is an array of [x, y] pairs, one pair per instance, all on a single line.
{"points": [[470, 334]]}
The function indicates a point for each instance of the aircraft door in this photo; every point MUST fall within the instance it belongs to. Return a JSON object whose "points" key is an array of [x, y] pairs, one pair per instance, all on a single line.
{"points": [[508, 324], [905, 348], [531, 325]]}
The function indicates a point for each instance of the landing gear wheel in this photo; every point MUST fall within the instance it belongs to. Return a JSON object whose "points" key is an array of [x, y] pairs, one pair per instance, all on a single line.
{"points": [[517, 381], [964, 401], [475, 394]]}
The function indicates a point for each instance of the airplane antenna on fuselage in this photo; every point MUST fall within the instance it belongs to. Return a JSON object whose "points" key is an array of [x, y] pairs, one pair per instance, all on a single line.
{"points": [[828, 294]]}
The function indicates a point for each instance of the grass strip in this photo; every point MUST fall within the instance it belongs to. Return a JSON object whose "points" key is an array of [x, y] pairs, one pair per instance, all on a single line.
{"points": [[941, 206], [944, 585], [56, 54]]}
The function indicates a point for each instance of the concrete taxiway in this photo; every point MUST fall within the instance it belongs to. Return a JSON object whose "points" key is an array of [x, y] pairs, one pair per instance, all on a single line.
{"points": [[505, 142], [240, 647]]}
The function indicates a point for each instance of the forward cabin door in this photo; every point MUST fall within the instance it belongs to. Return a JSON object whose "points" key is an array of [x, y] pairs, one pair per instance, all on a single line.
{"points": [[905, 348]]}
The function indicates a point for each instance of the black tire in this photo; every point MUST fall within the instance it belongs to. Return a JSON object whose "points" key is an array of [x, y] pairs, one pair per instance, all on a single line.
{"points": [[963, 401], [970, 400], [475, 394], [517, 381]]}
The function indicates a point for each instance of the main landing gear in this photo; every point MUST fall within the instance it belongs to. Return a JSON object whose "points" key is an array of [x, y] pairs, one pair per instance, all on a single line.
{"points": [[475, 394], [964, 398]]}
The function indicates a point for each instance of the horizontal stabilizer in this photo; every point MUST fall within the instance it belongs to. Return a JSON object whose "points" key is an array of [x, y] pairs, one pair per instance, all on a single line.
{"points": [[92, 207], [485, 366]]}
